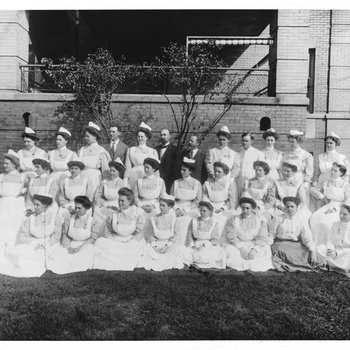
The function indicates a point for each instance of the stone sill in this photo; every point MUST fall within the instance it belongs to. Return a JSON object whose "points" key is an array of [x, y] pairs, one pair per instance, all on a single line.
{"points": [[44, 97]]}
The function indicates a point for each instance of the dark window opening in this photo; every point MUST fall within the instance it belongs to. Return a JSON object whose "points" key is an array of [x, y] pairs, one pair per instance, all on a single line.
{"points": [[265, 123]]}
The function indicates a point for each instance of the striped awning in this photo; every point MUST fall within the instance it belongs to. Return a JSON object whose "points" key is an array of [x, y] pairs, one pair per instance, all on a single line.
{"points": [[229, 41]]}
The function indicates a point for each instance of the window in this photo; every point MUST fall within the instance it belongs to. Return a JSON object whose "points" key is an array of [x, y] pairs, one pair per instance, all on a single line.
{"points": [[265, 123]]}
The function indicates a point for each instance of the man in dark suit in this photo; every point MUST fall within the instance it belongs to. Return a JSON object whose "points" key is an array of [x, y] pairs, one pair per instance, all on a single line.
{"points": [[116, 148], [193, 152], [169, 159]]}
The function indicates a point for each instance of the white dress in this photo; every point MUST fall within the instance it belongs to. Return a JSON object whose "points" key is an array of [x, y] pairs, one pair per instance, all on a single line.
{"points": [[59, 159], [339, 240], [337, 191], [26, 160], [225, 155], [134, 162], [37, 239], [95, 159], [12, 209], [202, 247], [248, 233], [119, 249], [76, 236], [161, 253], [273, 158], [248, 157]]}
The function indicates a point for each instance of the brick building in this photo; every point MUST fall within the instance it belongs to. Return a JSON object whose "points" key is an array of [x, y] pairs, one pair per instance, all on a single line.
{"points": [[308, 82]]}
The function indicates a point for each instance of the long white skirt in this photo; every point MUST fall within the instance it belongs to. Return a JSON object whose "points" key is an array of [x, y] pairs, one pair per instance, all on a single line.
{"points": [[153, 260], [321, 222], [12, 212], [209, 256], [61, 261], [111, 254], [25, 260], [261, 262], [94, 175], [341, 263]]}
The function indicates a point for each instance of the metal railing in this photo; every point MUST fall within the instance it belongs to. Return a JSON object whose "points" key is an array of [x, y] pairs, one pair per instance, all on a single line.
{"points": [[251, 82]]}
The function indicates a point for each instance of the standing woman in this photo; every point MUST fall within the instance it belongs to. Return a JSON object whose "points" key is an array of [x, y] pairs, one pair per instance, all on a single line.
{"points": [[273, 157], [60, 156], [12, 190], [29, 152], [325, 160], [136, 155], [94, 156], [122, 244]]}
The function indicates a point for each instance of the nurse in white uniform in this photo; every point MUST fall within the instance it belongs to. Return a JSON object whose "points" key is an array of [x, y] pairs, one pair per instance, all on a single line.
{"points": [[94, 156], [272, 156], [122, 245], [76, 250], [29, 152], [60, 156]]}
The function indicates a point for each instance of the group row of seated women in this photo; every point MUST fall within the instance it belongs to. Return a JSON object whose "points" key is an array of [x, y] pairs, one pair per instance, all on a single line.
{"points": [[70, 219]]}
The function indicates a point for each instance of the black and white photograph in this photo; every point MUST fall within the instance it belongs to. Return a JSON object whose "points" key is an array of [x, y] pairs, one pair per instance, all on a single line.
{"points": [[174, 174]]}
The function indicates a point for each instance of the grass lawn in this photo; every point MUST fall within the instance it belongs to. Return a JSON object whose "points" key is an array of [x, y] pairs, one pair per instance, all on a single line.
{"points": [[170, 305]]}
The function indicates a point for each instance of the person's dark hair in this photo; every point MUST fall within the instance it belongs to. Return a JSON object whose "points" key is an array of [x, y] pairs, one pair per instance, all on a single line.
{"points": [[169, 202], [342, 168], [262, 164], [118, 166], [223, 133], [275, 135], [206, 204], [33, 137], [15, 161], [346, 206], [84, 201], [248, 200], [43, 199], [129, 194], [42, 162], [295, 200], [248, 134], [334, 139], [93, 131], [223, 166], [293, 167], [152, 162], [63, 134], [191, 167], [298, 138], [146, 132], [76, 163]]}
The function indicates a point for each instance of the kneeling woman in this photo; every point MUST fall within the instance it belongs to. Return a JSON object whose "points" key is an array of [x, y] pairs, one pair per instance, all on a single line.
{"points": [[162, 252], [149, 188], [76, 252], [247, 237], [336, 251], [123, 243], [37, 237], [293, 248], [203, 247]]}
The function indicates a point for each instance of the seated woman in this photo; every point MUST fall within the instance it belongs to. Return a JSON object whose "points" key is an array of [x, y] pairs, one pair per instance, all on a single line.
{"points": [[260, 188], [77, 251], [12, 209], [293, 248], [73, 186], [187, 190], [37, 237], [122, 245], [203, 248], [331, 194], [290, 186], [221, 193], [161, 252], [149, 188], [336, 251], [42, 184], [247, 237]]}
